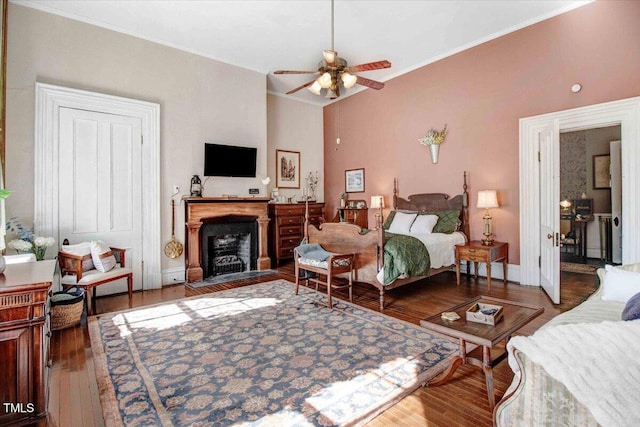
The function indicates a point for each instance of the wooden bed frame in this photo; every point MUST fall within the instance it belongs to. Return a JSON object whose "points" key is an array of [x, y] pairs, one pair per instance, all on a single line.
{"points": [[347, 238]]}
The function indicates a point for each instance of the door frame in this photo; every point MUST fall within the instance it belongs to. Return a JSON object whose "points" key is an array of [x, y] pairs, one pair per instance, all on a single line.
{"points": [[49, 100], [625, 113]]}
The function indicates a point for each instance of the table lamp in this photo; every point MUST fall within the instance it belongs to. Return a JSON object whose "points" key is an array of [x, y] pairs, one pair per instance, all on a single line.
{"points": [[487, 199], [377, 202]]}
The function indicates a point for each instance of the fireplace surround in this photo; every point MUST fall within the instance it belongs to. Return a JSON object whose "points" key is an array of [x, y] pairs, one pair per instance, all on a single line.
{"points": [[234, 217]]}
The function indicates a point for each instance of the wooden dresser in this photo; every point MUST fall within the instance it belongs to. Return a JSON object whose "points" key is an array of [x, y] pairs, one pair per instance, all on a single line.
{"points": [[286, 227], [24, 342]]}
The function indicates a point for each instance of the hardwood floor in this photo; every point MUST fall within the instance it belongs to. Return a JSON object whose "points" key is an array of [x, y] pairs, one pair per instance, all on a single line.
{"points": [[73, 392]]}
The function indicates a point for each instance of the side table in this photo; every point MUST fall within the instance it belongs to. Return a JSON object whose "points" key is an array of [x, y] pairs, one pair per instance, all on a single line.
{"points": [[477, 252]]}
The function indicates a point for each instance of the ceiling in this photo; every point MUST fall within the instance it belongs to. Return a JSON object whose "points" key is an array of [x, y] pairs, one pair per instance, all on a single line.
{"points": [[269, 35]]}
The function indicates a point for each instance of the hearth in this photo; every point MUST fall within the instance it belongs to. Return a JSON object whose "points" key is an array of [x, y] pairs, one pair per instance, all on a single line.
{"points": [[229, 244]]}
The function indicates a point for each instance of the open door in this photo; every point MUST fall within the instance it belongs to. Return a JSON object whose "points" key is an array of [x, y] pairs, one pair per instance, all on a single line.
{"points": [[549, 147], [616, 201]]}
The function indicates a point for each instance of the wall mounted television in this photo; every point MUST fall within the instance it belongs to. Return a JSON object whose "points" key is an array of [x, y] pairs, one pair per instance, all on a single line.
{"points": [[230, 161]]}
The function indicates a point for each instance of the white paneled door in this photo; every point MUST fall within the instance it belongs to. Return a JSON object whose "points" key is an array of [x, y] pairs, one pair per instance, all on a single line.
{"points": [[100, 190], [615, 169], [549, 211]]}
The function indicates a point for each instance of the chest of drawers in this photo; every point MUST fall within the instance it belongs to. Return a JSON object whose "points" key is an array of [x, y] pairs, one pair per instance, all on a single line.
{"points": [[24, 342], [286, 228]]}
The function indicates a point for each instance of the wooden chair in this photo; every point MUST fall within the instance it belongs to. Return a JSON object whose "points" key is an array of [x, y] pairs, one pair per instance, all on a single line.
{"points": [[334, 265], [72, 274]]}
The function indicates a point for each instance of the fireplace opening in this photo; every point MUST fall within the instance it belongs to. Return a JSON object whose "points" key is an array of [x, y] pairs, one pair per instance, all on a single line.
{"points": [[229, 245]]}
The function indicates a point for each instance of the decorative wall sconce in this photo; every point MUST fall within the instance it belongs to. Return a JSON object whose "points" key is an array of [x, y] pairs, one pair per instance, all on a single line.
{"points": [[433, 139]]}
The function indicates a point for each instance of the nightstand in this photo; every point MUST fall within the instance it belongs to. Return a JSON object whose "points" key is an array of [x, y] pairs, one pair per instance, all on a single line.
{"points": [[476, 252]]}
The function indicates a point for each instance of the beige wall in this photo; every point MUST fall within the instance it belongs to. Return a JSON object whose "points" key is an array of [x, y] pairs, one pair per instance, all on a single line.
{"points": [[201, 100], [295, 126], [481, 94]]}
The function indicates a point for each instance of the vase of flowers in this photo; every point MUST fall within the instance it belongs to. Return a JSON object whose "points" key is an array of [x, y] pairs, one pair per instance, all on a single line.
{"points": [[343, 200], [27, 242], [433, 139]]}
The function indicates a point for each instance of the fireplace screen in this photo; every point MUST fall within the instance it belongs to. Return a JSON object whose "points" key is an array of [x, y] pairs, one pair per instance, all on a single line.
{"points": [[230, 245]]}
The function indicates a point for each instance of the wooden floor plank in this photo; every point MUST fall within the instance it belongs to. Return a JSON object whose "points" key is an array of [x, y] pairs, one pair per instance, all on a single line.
{"points": [[462, 401]]}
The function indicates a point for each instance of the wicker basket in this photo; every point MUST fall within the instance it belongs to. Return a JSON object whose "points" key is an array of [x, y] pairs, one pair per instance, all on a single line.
{"points": [[66, 308]]}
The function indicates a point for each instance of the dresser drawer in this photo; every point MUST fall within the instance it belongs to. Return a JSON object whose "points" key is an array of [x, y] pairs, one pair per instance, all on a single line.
{"points": [[473, 254], [290, 220], [289, 210], [290, 242], [290, 231]]}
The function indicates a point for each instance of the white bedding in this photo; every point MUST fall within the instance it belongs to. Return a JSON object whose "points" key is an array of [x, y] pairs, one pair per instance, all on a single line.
{"points": [[441, 248]]}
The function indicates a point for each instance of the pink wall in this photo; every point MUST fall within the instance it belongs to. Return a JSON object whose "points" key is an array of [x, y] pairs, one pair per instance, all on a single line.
{"points": [[481, 94]]}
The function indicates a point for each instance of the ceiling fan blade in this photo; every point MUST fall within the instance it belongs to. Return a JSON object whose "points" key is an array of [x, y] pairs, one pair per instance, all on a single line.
{"points": [[370, 66], [300, 87], [370, 83], [294, 72]]}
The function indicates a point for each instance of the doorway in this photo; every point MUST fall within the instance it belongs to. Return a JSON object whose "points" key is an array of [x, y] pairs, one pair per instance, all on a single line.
{"points": [[51, 103], [535, 165], [589, 181]]}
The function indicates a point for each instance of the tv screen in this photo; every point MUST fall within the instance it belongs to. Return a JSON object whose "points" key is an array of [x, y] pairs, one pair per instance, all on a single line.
{"points": [[227, 160]]}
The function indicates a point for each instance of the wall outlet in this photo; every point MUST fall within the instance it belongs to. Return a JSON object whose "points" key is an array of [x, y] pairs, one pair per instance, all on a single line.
{"points": [[176, 189]]}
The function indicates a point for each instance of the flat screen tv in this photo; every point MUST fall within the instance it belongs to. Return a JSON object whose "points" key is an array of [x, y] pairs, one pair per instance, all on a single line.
{"points": [[228, 160]]}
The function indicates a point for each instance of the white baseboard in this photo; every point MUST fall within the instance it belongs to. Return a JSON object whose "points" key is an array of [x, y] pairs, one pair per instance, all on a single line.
{"points": [[172, 276], [513, 271]]}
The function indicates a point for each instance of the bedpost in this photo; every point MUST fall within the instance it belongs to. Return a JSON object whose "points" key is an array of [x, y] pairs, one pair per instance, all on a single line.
{"points": [[465, 208], [306, 221], [395, 193]]}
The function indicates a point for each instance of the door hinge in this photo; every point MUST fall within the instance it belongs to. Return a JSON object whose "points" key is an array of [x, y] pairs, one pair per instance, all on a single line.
{"points": [[538, 156], [539, 261], [142, 140], [142, 265]]}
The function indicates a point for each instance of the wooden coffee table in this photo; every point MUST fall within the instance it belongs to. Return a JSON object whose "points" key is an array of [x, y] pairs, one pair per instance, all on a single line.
{"points": [[516, 315]]}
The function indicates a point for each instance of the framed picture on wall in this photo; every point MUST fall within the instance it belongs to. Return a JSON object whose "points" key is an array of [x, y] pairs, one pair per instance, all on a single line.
{"points": [[354, 181], [287, 169], [601, 174]]}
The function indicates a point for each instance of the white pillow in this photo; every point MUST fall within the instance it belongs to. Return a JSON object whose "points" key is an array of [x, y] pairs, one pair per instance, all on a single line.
{"points": [[402, 222], [619, 285], [81, 249], [424, 224], [103, 258]]}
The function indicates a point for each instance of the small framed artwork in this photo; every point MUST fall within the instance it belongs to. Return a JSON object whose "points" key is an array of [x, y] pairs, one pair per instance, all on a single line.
{"points": [[354, 181], [601, 174], [287, 169]]}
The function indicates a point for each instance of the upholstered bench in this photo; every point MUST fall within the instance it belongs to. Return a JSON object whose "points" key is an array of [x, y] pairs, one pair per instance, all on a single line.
{"points": [[312, 258]]}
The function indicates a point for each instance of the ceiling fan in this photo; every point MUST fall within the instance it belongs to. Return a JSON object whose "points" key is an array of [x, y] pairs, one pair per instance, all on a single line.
{"points": [[335, 72]]}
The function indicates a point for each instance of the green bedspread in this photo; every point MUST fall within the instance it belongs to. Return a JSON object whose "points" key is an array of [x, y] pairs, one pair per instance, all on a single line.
{"points": [[404, 255]]}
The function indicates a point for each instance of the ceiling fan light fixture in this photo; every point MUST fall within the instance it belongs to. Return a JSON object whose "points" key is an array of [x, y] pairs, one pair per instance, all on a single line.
{"points": [[348, 80], [324, 80], [331, 94], [330, 56], [315, 88]]}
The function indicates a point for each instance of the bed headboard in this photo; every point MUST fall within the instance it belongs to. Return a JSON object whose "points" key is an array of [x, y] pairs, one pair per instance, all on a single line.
{"points": [[436, 202]]}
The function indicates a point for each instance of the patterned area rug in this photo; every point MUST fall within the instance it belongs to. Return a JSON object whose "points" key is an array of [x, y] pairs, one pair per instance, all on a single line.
{"points": [[578, 268], [258, 355]]}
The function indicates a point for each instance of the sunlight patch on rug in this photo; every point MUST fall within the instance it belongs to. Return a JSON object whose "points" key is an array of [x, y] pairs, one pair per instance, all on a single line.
{"points": [[258, 355]]}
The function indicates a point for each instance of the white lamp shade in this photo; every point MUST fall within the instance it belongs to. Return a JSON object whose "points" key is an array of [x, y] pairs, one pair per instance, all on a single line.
{"points": [[324, 81], [377, 202], [315, 88], [349, 80], [565, 204], [329, 56], [487, 199]]}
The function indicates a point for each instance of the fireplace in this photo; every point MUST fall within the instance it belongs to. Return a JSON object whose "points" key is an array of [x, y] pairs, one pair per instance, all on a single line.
{"points": [[213, 222], [229, 245]]}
